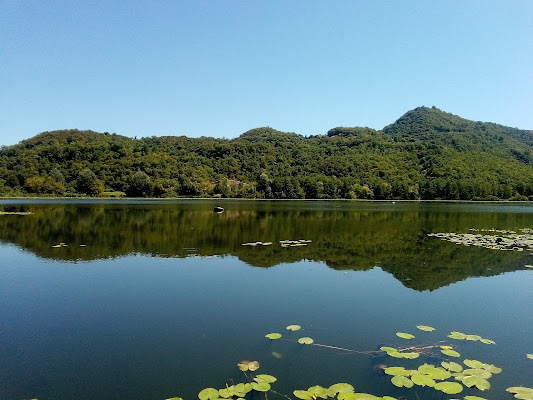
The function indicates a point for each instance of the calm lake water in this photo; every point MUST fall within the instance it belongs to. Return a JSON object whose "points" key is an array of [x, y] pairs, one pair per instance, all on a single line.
{"points": [[155, 299]]}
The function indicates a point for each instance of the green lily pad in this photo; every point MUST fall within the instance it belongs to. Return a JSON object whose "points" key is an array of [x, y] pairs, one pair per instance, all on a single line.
{"points": [[493, 369], [423, 380], [436, 373], [347, 396], [388, 349], [478, 372], [396, 371], [318, 391], [294, 327], [521, 392], [341, 388], [389, 398], [228, 392], [473, 363], [451, 353], [261, 386], [265, 378], [303, 394], [410, 356], [477, 381], [530, 356], [395, 354], [273, 336], [452, 366], [404, 335], [402, 381], [425, 328], [449, 387], [305, 340], [487, 341], [457, 335], [175, 398], [366, 396], [243, 388], [474, 398], [474, 338], [208, 394], [277, 354]]}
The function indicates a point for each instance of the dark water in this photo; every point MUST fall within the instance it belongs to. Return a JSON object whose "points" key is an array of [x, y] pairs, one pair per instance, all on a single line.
{"points": [[164, 300]]}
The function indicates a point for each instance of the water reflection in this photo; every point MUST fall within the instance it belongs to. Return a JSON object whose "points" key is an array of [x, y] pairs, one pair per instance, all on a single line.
{"points": [[343, 235]]}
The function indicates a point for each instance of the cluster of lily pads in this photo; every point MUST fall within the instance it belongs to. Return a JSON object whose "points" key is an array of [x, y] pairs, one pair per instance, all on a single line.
{"points": [[283, 243], [504, 240], [449, 377]]}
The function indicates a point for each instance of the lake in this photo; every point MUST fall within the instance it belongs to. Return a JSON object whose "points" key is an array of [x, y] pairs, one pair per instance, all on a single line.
{"points": [[156, 299]]}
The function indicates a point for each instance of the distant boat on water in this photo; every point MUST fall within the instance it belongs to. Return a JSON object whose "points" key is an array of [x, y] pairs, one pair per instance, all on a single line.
{"points": [[218, 209]]}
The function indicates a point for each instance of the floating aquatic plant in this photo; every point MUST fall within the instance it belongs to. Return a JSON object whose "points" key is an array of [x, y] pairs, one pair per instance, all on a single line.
{"points": [[449, 387], [451, 353], [404, 335], [246, 365], [521, 392], [294, 327], [305, 340], [208, 394], [425, 328], [530, 356], [452, 366], [273, 336]]}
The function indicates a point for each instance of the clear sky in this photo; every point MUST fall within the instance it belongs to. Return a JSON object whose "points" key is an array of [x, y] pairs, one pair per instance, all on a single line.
{"points": [[221, 67]]}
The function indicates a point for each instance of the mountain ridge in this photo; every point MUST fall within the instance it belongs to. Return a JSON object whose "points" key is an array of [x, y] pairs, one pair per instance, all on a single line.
{"points": [[425, 154]]}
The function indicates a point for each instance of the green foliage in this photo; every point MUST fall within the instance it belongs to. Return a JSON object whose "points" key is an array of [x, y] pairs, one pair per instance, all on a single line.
{"points": [[88, 183], [426, 154]]}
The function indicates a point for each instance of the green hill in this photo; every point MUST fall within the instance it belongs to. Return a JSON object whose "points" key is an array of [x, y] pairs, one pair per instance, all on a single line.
{"points": [[425, 154]]}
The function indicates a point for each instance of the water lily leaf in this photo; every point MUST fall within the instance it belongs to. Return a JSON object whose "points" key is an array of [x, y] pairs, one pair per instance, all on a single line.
{"points": [[243, 388], [410, 356], [294, 327], [530, 356], [457, 335], [425, 328], [477, 381], [305, 340], [265, 378], [366, 396], [402, 381], [473, 337], [423, 380], [261, 386], [277, 355], [452, 366], [253, 365], [521, 392], [388, 349], [436, 373], [172, 398], [446, 347], [303, 394], [478, 372], [389, 398], [487, 341], [493, 369], [273, 336], [395, 354], [346, 396], [396, 371], [341, 388], [208, 394], [449, 387], [451, 353], [473, 363], [226, 393], [318, 391], [474, 398], [404, 335]]}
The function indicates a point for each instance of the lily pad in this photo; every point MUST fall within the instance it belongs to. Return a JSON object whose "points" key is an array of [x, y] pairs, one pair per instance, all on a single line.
{"points": [[208, 394], [294, 327], [473, 363], [303, 394], [273, 336], [175, 398], [487, 341], [402, 381], [493, 369], [277, 355], [347, 396], [389, 398], [411, 355], [246, 365], [341, 388], [449, 387], [318, 391], [478, 372], [451, 353], [396, 371], [265, 378], [305, 340], [452, 366], [425, 328], [436, 373], [261, 386], [474, 398], [366, 396], [423, 380], [521, 392], [457, 335], [530, 356], [477, 381], [388, 349], [404, 335]]}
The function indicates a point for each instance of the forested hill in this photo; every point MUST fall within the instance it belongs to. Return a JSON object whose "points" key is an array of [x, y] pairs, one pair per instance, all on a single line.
{"points": [[425, 154]]}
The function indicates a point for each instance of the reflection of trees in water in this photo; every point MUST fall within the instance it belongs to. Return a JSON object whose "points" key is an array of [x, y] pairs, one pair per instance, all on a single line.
{"points": [[351, 240]]}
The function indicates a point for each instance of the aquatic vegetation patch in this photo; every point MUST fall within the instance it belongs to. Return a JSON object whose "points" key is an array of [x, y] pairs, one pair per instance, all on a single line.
{"points": [[495, 239]]}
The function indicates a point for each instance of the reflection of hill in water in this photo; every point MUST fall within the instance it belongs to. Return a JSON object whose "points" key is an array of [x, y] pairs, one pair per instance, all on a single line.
{"points": [[343, 238]]}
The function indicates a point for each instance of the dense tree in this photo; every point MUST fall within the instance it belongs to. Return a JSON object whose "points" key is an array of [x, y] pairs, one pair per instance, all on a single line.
{"points": [[425, 154]]}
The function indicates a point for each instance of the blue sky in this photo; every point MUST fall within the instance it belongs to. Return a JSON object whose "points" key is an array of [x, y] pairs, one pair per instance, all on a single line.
{"points": [[219, 68]]}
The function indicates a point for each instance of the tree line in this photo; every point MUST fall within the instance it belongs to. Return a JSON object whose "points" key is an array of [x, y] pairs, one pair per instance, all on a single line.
{"points": [[426, 154]]}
